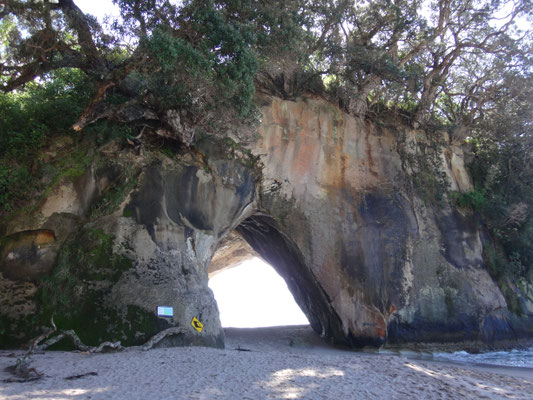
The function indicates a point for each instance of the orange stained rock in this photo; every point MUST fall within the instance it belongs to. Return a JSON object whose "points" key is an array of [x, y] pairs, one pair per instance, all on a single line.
{"points": [[307, 141], [305, 155], [44, 237], [381, 327]]}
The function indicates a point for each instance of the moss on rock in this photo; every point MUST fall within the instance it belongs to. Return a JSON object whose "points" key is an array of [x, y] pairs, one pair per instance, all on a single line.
{"points": [[74, 293], [96, 323]]}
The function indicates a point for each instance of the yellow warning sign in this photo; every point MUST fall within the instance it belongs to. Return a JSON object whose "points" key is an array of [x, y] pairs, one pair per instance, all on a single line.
{"points": [[197, 325]]}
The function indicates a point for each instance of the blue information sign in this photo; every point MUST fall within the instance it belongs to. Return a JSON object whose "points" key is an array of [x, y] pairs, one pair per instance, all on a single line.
{"points": [[163, 311]]}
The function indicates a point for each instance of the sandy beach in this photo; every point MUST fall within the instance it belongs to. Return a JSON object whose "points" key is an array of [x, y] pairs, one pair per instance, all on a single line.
{"points": [[272, 363]]}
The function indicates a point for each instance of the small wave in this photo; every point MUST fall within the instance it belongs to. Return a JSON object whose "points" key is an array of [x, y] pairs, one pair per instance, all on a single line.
{"points": [[513, 358]]}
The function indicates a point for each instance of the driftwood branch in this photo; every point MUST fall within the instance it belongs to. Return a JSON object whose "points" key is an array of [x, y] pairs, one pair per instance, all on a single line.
{"points": [[23, 373], [21, 370], [157, 338]]}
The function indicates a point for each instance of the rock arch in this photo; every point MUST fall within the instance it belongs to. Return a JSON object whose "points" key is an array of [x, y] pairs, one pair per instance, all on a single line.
{"points": [[369, 257], [263, 235]]}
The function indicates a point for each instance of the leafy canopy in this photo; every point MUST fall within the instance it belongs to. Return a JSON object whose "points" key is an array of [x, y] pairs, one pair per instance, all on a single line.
{"points": [[430, 59]]}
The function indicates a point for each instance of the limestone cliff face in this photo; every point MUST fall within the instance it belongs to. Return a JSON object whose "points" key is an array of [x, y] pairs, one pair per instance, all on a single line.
{"points": [[355, 216]]}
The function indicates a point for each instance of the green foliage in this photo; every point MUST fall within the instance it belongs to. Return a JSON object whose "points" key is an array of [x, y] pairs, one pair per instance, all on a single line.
{"points": [[204, 55], [70, 166], [512, 299], [15, 181], [28, 120], [114, 195], [502, 174], [502, 170], [24, 190], [496, 262], [104, 131], [236, 151], [21, 132], [428, 178], [473, 199], [448, 300], [6, 26], [504, 271], [215, 69]]}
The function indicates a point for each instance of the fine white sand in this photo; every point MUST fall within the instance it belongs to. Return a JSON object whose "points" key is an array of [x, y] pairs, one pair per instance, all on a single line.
{"points": [[284, 363]]}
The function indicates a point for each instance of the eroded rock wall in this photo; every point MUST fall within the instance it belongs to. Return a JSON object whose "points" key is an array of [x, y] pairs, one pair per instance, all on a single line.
{"points": [[372, 221], [105, 275]]}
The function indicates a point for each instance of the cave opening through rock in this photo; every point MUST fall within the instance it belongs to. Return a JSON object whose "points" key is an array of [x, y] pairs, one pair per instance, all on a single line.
{"points": [[252, 294], [262, 236], [249, 291]]}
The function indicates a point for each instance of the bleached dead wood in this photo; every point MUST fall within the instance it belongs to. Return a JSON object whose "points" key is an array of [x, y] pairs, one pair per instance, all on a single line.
{"points": [[23, 373]]}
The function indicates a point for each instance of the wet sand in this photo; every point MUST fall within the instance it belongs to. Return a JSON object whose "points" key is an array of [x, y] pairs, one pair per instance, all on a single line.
{"points": [[282, 363]]}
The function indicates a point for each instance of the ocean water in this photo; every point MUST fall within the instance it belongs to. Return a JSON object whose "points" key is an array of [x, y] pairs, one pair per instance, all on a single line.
{"points": [[513, 358]]}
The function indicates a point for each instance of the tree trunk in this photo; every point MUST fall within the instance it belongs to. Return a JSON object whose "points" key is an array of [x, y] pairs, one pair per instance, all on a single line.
{"points": [[358, 105]]}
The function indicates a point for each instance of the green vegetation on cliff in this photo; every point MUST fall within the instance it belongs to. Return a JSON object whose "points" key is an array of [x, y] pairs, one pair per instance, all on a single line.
{"points": [[502, 169], [88, 257], [30, 120], [429, 60]]}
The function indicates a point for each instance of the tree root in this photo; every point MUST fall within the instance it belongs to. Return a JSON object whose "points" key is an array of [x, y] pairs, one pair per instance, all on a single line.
{"points": [[23, 373]]}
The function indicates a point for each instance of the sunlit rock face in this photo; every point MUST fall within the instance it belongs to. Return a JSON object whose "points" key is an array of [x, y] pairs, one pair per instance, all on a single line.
{"points": [[353, 214], [394, 262]]}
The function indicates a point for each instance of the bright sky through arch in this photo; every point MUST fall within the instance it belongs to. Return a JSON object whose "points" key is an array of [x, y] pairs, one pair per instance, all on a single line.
{"points": [[254, 295]]}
